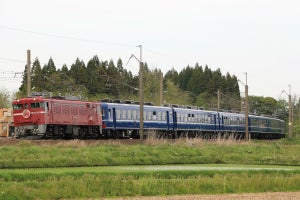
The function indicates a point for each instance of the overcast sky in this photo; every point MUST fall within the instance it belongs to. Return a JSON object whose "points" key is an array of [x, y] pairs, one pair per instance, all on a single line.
{"points": [[260, 37]]}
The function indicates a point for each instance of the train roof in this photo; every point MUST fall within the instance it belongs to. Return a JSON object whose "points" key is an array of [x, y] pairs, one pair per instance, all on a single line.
{"points": [[194, 110], [232, 113], [135, 105], [264, 117], [128, 102], [55, 98]]}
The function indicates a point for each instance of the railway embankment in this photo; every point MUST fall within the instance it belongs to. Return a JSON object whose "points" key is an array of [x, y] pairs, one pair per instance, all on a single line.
{"points": [[72, 169], [85, 153]]}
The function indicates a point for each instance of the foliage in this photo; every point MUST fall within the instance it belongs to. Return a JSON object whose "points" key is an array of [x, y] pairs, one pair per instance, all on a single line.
{"points": [[196, 86], [175, 95], [94, 80], [264, 105], [4, 99], [203, 85]]}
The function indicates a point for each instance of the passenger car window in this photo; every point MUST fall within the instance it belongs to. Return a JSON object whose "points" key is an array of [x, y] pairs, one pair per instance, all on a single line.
{"points": [[134, 115]]}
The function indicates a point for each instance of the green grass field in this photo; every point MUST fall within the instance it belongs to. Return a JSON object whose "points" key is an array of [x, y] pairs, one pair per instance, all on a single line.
{"points": [[71, 169]]}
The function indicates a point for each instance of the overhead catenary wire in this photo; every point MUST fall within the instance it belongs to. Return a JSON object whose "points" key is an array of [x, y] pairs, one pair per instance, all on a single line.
{"points": [[72, 38], [86, 40], [12, 60], [66, 37]]}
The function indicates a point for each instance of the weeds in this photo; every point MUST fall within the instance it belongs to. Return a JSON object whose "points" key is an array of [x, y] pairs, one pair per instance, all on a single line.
{"points": [[77, 153], [90, 185], [47, 183]]}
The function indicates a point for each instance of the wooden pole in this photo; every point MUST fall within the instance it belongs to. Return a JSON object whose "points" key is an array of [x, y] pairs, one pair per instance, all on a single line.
{"points": [[28, 74]]}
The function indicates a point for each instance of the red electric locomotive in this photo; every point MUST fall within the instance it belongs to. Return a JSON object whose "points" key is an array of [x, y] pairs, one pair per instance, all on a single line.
{"points": [[57, 118]]}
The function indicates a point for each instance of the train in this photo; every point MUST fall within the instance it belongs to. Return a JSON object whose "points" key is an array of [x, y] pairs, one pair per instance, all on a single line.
{"points": [[60, 117], [56, 117], [121, 120]]}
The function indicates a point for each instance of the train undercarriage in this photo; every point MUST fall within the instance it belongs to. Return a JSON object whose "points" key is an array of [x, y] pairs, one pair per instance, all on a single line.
{"points": [[51, 131]]}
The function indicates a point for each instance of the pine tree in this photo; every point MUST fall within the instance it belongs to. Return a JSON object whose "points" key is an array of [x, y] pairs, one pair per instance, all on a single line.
{"points": [[49, 68], [23, 88], [92, 71], [38, 80], [78, 72]]}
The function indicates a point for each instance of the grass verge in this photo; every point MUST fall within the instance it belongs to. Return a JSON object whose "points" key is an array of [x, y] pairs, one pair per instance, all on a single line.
{"points": [[79, 154], [92, 183], [30, 171]]}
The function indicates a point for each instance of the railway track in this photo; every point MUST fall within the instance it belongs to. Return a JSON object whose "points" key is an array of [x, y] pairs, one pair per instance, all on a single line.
{"points": [[72, 142], [151, 141]]}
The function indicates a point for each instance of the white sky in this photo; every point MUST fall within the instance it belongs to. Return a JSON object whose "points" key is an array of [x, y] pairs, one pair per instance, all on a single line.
{"points": [[260, 37]]}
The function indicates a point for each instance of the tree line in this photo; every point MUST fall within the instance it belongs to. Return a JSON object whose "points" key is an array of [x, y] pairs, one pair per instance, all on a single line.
{"points": [[197, 86]]}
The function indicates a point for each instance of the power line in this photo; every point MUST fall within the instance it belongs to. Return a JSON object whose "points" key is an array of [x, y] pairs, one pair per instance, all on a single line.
{"points": [[10, 80], [20, 61], [10, 75], [67, 37], [13, 60], [84, 40], [6, 72]]}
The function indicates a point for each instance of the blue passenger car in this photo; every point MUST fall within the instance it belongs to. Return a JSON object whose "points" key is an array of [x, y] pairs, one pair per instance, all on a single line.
{"points": [[123, 120], [232, 123], [193, 122], [266, 127]]}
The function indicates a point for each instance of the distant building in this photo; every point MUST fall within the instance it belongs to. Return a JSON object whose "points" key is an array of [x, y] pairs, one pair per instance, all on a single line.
{"points": [[6, 122]]}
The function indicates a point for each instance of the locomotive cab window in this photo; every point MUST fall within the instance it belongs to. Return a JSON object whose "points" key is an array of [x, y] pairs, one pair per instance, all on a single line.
{"points": [[37, 105], [18, 106]]}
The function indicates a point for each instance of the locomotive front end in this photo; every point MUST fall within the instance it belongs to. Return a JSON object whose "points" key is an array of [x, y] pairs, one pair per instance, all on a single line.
{"points": [[29, 116]]}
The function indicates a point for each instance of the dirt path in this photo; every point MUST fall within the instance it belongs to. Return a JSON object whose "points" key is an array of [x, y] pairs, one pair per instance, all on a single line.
{"points": [[258, 196]]}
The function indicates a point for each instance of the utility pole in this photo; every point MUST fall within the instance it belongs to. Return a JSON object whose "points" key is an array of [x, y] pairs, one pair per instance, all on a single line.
{"points": [[28, 74], [141, 89], [161, 89], [246, 111], [290, 113], [218, 99], [290, 133], [141, 86]]}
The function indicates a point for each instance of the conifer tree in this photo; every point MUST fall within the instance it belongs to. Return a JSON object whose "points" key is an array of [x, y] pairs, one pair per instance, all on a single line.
{"points": [[78, 72]]}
